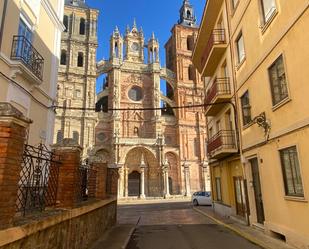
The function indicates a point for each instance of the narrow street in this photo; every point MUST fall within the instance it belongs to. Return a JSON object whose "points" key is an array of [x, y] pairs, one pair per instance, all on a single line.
{"points": [[176, 226]]}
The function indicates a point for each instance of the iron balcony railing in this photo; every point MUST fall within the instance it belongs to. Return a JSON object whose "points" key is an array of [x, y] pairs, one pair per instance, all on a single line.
{"points": [[217, 37], [224, 139], [221, 86], [23, 51]]}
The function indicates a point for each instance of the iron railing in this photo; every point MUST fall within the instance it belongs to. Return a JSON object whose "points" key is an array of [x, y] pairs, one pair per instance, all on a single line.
{"points": [[38, 182], [224, 139], [23, 51], [86, 182], [217, 37], [221, 86]]}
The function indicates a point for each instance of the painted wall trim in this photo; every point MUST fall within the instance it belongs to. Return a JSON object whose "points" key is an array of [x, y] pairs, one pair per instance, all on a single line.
{"points": [[53, 15]]}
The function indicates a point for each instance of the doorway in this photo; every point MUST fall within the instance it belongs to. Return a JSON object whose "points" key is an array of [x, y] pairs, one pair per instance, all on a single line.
{"points": [[134, 184], [257, 190], [170, 185], [240, 204]]}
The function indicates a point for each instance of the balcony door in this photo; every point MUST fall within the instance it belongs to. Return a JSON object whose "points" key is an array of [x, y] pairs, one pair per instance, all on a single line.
{"points": [[257, 191]]}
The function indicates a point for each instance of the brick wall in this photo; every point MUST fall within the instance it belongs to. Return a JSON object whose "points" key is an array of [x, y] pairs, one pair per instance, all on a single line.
{"points": [[78, 228]]}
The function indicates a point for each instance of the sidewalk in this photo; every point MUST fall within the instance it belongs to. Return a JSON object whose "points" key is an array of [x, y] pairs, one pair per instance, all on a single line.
{"points": [[116, 238], [254, 235]]}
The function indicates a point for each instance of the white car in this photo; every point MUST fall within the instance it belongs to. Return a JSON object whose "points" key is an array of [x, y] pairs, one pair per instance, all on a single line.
{"points": [[201, 198]]}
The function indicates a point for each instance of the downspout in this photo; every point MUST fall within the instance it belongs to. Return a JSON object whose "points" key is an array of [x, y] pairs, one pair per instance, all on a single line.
{"points": [[3, 21]]}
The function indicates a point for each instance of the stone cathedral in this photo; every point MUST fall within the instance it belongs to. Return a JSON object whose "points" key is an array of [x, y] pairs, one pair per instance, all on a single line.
{"points": [[158, 150]]}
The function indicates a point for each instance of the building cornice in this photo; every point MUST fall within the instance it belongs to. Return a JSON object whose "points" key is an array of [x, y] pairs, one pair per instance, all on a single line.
{"points": [[53, 15]]}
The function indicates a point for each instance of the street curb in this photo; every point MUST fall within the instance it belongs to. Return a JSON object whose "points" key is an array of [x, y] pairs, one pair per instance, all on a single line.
{"points": [[239, 232], [125, 244]]}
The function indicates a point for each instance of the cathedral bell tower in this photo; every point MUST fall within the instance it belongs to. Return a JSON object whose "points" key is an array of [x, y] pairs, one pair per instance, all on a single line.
{"points": [[187, 16], [116, 45], [134, 44], [153, 50]]}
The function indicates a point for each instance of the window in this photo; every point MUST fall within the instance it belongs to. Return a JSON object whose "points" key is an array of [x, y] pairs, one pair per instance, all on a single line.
{"points": [[240, 48], [63, 59], [190, 43], [191, 72], [76, 136], [66, 23], [218, 189], [268, 8], [25, 30], [77, 93], [278, 83], [82, 26], [136, 93], [246, 108], [101, 136], [188, 14], [291, 172], [80, 59], [59, 136], [234, 3]]}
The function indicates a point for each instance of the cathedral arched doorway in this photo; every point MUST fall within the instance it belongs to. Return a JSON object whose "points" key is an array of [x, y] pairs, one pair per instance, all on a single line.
{"points": [[134, 184], [173, 173], [152, 173]]}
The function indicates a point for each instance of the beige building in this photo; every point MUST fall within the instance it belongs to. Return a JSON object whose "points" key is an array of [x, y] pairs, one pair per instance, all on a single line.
{"points": [[77, 75], [30, 33], [213, 58], [158, 153], [268, 41]]}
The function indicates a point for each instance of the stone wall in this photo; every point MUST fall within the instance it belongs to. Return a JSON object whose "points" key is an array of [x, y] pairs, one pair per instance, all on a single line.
{"points": [[77, 228]]}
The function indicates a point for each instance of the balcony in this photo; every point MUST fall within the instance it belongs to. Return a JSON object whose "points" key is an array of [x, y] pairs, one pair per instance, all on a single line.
{"points": [[222, 144], [213, 52], [23, 51], [219, 92]]}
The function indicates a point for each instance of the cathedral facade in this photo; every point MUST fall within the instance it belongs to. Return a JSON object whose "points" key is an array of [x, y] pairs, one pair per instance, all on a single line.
{"points": [[157, 147]]}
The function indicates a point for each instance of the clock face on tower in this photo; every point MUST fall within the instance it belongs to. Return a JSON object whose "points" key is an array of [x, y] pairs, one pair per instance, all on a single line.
{"points": [[135, 47]]}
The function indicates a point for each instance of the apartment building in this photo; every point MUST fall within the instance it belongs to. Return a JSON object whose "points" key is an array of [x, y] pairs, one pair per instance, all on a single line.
{"points": [[213, 59], [269, 51], [30, 33]]}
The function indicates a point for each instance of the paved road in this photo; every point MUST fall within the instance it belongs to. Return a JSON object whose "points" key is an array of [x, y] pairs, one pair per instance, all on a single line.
{"points": [[176, 226]]}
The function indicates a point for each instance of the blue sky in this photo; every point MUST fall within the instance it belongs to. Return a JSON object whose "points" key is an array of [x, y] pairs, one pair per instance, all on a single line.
{"points": [[157, 16]]}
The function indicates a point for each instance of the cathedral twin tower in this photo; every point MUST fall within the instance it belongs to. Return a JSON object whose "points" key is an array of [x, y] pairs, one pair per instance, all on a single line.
{"points": [[158, 152]]}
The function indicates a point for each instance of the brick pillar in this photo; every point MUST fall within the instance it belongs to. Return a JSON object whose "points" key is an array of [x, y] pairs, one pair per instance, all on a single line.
{"points": [[101, 176], [68, 181], [13, 129]]}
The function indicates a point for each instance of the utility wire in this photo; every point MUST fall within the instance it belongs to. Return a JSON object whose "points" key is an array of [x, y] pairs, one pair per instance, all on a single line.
{"points": [[141, 109]]}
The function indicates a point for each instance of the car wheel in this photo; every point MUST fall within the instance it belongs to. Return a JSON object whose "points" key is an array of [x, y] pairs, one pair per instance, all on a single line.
{"points": [[195, 202]]}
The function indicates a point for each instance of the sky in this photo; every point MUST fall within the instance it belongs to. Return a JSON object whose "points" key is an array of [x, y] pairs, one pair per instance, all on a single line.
{"points": [[158, 16]]}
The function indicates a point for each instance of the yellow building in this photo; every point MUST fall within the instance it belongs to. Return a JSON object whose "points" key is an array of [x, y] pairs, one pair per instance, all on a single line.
{"points": [[213, 59], [269, 51], [30, 33]]}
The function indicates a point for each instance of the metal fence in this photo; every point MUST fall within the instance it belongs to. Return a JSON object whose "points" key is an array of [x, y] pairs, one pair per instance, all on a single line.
{"points": [[87, 176], [38, 179]]}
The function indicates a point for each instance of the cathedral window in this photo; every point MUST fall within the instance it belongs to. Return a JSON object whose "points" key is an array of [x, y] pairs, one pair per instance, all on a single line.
{"points": [[80, 59], [63, 59], [82, 26], [66, 23], [76, 136], [59, 136], [101, 137], [136, 93], [191, 72], [188, 14], [190, 43]]}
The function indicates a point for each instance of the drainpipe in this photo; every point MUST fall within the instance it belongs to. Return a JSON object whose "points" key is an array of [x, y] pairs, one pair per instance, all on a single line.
{"points": [[2, 21]]}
